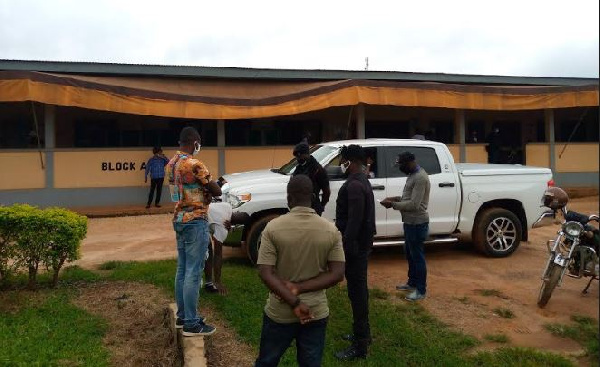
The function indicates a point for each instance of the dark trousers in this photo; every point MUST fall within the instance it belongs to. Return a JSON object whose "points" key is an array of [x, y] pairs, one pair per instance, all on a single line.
{"points": [[415, 236], [358, 293], [276, 338], [155, 183]]}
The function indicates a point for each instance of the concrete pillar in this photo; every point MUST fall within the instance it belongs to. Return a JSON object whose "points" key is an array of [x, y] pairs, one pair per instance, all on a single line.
{"points": [[221, 145], [550, 138], [360, 121], [50, 142], [459, 125]]}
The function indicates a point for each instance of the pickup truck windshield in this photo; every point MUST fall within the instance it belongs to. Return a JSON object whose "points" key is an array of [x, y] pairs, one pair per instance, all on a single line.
{"points": [[320, 152]]}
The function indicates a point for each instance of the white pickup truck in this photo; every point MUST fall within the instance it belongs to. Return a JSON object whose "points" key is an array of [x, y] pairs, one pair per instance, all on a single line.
{"points": [[493, 206]]}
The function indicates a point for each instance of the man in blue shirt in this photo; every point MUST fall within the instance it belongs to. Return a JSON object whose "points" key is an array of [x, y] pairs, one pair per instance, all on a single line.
{"points": [[156, 168]]}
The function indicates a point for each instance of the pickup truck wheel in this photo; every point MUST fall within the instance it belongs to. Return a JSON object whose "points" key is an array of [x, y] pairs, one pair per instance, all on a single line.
{"points": [[253, 237], [498, 232]]}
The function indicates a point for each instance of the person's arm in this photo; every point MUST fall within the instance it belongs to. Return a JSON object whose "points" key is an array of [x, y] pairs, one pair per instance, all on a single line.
{"points": [[323, 182], [147, 170], [416, 197], [356, 209], [203, 177], [279, 288], [325, 280]]}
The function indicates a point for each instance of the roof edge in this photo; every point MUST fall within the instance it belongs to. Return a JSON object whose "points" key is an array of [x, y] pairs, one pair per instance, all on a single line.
{"points": [[284, 74]]}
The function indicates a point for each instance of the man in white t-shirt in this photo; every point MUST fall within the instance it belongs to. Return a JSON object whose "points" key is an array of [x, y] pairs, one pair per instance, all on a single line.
{"points": [[220, 218]]}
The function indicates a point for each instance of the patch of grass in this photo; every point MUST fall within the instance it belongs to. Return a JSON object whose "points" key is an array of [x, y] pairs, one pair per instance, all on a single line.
{"points": [[48, 330], [497, 338], [505, 313], [160, 273], [491, 293], [378, 294], [584, 330], [75, 273], [404, 334], [525, 357]]}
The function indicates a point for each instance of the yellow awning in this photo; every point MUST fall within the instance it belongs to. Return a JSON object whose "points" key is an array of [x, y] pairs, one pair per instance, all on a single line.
{"points": [[237, 99]]}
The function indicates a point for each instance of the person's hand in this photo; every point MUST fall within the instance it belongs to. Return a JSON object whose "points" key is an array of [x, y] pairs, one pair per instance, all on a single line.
{"points": [[386, 203], [293, 287], [227, 225], [303, 312]]}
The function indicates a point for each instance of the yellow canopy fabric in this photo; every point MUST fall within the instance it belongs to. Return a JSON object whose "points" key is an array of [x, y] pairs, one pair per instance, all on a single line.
{"points": [[238, 99]]}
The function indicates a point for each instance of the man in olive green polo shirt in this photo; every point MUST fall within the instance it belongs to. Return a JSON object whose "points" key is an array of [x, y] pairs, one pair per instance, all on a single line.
{"points": [[300, 256]]}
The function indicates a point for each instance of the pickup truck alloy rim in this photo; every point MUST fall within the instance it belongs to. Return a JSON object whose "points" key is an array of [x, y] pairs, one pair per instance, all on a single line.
{"points": [[501, 234]]}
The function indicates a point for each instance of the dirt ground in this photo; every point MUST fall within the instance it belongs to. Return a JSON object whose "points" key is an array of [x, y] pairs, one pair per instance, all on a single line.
{"points": [[456, 278]]}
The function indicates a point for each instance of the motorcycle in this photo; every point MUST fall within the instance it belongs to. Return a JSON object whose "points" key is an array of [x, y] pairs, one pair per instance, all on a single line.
{"points": [[574, 252]]}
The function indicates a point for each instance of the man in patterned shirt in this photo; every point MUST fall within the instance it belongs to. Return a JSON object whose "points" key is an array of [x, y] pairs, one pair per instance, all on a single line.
{"points": [[192, 187]]}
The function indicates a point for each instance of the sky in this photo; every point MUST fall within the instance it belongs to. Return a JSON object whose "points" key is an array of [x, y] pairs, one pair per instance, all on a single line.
{"points": [[490, 37]]}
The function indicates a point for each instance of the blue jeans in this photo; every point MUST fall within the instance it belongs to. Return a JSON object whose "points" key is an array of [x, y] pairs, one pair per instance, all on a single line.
{"points": [[276, 338], [415, 235], [192, 245]]}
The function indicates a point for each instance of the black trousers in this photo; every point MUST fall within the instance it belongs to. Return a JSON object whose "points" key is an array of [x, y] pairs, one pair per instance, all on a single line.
{"points": [[358, 293], [155, 184]]}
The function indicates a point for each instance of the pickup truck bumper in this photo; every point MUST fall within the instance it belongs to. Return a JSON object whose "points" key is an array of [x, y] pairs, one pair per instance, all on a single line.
{"points": [[234, 238], [546, 219]]}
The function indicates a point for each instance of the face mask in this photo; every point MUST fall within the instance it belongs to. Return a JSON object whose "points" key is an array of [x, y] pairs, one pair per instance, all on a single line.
{"points": [[344, 167], [197, 147], [301, 161]]}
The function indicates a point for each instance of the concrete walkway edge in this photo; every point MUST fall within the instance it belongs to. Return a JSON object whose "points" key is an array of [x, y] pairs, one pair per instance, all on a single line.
{"points": [[192, 348]]}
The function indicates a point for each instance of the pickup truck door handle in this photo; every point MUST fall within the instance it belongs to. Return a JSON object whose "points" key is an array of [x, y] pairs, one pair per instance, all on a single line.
{"points": [[378, 187], [446, 184]]}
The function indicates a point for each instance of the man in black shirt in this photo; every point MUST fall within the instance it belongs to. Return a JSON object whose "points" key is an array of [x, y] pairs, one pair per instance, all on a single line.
{"points": [[308, 165], [355, 219]]}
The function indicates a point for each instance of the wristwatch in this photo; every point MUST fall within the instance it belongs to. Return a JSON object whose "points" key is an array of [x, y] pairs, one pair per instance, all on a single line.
{"points": [[296, 304]]}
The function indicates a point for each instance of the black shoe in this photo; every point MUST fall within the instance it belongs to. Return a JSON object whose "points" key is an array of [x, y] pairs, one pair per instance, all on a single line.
{"points": [[200, 329], [211, 287], [157, 205], [351, 353], [148, 206], [179, 322]]}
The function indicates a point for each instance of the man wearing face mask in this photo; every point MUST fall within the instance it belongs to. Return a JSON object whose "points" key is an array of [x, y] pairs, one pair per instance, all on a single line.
{"points": [[413, 207], [308, 165], [192, 188], [355, 219]]}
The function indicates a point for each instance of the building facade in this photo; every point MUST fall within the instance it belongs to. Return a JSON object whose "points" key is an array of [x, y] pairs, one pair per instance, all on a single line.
{"points": [[78, 134]]}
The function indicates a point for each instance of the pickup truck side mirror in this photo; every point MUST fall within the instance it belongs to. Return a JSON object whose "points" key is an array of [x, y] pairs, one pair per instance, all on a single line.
{"points": [[334, 173]]}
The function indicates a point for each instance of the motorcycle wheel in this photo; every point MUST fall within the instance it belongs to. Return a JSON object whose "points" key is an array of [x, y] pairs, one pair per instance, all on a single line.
{"points": [[548, 285]]}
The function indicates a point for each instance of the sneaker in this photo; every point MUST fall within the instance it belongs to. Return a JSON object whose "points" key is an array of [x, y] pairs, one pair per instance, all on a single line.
{"points": [[210, 287], [157, 205], [201, 329], [415, 296], [405, 287], [148, 206], [179, 322]]}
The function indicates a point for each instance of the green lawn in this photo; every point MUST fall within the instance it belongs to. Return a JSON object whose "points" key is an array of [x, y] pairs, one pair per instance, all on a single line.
{"points": [[404, 334], [45, 329]]}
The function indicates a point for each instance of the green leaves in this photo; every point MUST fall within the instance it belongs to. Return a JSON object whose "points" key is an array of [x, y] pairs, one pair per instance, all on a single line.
{"points": [[30, 236]]}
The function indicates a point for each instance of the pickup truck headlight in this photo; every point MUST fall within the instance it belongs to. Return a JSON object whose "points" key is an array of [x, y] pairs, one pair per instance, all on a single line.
{"points": [[237, 200]]}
